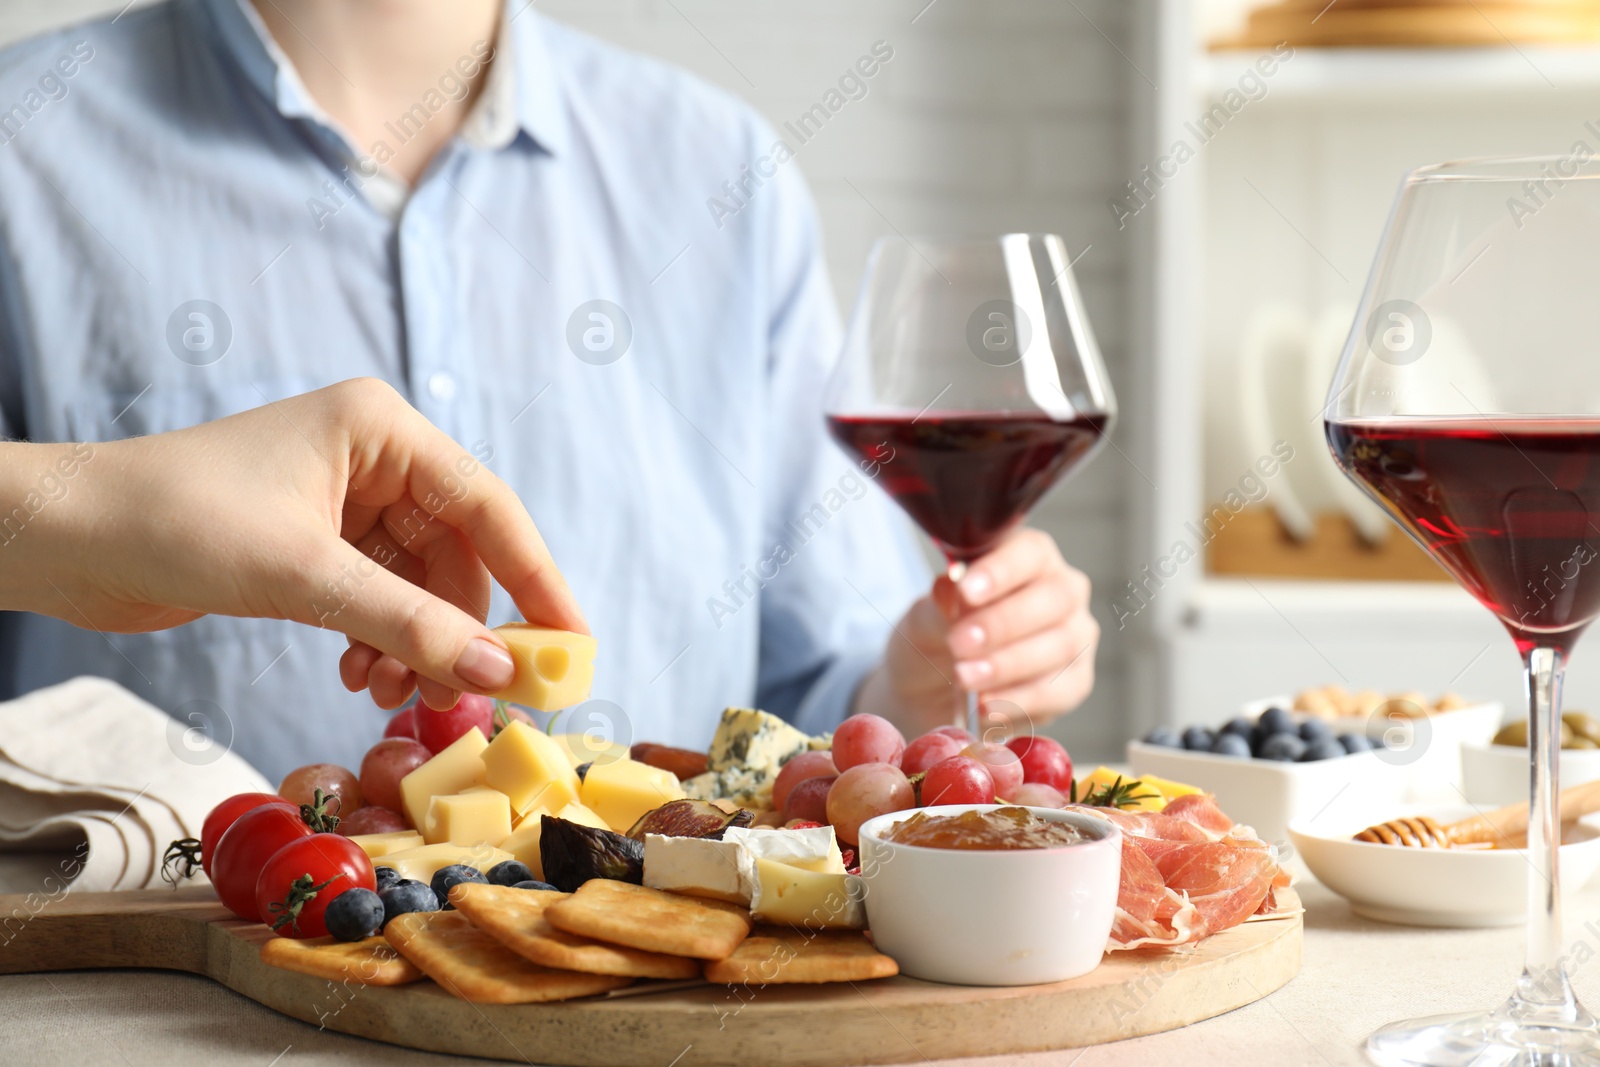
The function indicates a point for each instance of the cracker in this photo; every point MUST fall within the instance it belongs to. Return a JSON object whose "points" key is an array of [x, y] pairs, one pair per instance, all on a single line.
{"points": [[779, 955], [372, 961], [515, 918], [651, 920], [474, 966]]}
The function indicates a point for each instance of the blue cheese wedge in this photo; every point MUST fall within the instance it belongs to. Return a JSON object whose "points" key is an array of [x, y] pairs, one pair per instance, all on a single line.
{"points": [[753, 739], [695, 865]]}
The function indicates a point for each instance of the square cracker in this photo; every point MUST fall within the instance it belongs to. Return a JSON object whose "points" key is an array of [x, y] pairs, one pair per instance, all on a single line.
{"points": [[515, 918], [372, 961], [779, 955], [474, 966], [651, 920]]}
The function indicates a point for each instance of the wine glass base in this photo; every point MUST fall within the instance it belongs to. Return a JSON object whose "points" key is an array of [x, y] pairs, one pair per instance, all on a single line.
{"points": [[1486, 1039]]}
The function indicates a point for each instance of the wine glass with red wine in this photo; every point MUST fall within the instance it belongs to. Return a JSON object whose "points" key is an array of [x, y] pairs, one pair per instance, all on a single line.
{"points": [[970, 383], [1467, 404]]}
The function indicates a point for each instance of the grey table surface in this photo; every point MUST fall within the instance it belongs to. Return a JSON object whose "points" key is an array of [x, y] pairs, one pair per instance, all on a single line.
{"points": [[1357, 975]]}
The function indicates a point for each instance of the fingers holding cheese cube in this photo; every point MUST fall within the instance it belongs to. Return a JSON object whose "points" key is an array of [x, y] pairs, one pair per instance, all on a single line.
{"points": [[555, 668]]}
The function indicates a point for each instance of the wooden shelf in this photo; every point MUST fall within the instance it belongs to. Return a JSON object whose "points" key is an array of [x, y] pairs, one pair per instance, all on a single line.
{"points": [[1432, 74]]}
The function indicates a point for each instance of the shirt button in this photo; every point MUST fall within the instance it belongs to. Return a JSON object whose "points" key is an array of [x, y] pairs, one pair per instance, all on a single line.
{"points": [[441, 386]]}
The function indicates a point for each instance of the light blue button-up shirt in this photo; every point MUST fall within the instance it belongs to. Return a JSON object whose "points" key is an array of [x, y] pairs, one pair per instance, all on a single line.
{"points": [[185, 235]]}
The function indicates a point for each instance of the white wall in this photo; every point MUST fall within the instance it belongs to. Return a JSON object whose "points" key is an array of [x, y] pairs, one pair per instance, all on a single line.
{"points": [[993, 116]]}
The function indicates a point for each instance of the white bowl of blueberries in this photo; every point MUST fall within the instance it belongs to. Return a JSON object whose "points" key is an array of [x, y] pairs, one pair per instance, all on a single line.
{"points": [[1274, 768]]}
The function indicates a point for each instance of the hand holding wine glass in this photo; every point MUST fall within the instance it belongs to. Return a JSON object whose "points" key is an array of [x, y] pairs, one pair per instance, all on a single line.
{"points": [[970, 383], [1017, 627]]}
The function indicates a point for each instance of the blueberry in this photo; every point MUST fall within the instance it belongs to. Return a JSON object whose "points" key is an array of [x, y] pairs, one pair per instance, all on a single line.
{"points": [[1284, 747], [407, 895], [1165, 736], [1315, 730], [447, 877], [509, 872], [534, 883], [1355, 743], [1323, 748], [1240, 727], [1274, 721], [387, 876], [354, 915], [1198, 739], [1230, 744]]}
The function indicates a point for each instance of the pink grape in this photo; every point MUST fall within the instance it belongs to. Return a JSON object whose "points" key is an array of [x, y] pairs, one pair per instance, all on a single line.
{"points": [[438, 729], [1003, 764], [1039, 795], [957, 780], [809, 800], [927, 750], [863, 739], [404, 724], [385, 764], [864, 792], [373, 820], [299, 786], [798, 769], [956, 732], [1044, 760]]}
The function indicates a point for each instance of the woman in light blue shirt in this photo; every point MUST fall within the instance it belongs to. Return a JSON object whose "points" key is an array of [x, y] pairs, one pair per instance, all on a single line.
{"points": [[209, 205]]}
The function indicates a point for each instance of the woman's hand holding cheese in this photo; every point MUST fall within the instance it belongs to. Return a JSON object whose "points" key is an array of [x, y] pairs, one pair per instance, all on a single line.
{"points": [[342, 508], [1016, 629]]}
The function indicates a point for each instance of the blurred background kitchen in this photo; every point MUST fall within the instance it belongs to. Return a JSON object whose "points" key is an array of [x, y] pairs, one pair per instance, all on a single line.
{"points": [[1221, 171]]}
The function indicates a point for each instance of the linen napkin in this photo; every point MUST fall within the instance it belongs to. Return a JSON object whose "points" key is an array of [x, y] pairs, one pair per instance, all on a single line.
{"points": [[95, 783]]}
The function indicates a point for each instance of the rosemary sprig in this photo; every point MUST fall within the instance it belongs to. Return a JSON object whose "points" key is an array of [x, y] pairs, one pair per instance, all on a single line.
{"points": [[1119, 794]]}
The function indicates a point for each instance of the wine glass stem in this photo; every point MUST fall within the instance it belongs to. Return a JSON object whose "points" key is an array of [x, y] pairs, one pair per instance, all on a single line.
{"points": [[1543, 989], [956, 571]]}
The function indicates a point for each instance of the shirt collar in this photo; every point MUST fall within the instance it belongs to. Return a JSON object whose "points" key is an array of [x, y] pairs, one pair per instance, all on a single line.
{"points": [[522, 91]]}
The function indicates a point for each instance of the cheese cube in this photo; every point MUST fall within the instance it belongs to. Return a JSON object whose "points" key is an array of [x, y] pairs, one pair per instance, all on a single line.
{"points": [[813, 848], [458, 767], [531, 769], [583, 816], [468, 818], [523, 844], [790, 896], [589, 748], [695, 865], [424, 862], [376, 845], [621, 791], [555, 668]]}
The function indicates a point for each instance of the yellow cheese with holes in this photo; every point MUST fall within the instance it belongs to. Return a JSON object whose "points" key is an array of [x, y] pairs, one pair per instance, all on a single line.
{"points": [[468, 818], [790, 896], [458, 767], [531, 769], [555, 668], [376, 845], [589, 748], [523, 844], [423, 863], [621, 791]]}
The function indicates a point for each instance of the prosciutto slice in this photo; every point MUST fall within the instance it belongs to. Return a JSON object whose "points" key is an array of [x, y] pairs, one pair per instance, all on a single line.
{"points": [[1187, 872]]}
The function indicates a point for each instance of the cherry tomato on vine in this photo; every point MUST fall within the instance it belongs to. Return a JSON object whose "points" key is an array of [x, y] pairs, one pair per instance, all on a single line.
{"points": [[245, 849], [181, 856], [303, 877]]}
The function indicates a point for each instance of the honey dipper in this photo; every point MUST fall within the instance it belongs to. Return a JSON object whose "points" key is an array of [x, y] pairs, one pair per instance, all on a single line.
{"points": [[1498, 828]]}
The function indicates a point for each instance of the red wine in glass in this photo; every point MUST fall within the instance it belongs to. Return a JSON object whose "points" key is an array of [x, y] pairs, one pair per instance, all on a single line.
{"points": [[1509, 505], [967, 478]]}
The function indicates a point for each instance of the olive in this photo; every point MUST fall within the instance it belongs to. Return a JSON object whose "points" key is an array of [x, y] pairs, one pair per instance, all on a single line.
{"points": [[1516, 733], [1581, 742], [1582, 724]]}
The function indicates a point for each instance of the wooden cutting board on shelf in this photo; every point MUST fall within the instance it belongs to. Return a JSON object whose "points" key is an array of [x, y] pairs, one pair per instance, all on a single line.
{"points": [[1418, 23], [887, 1021]]}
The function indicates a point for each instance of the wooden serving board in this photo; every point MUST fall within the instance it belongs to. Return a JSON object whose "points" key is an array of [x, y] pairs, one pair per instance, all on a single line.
{"points": [[887, 1021]]}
